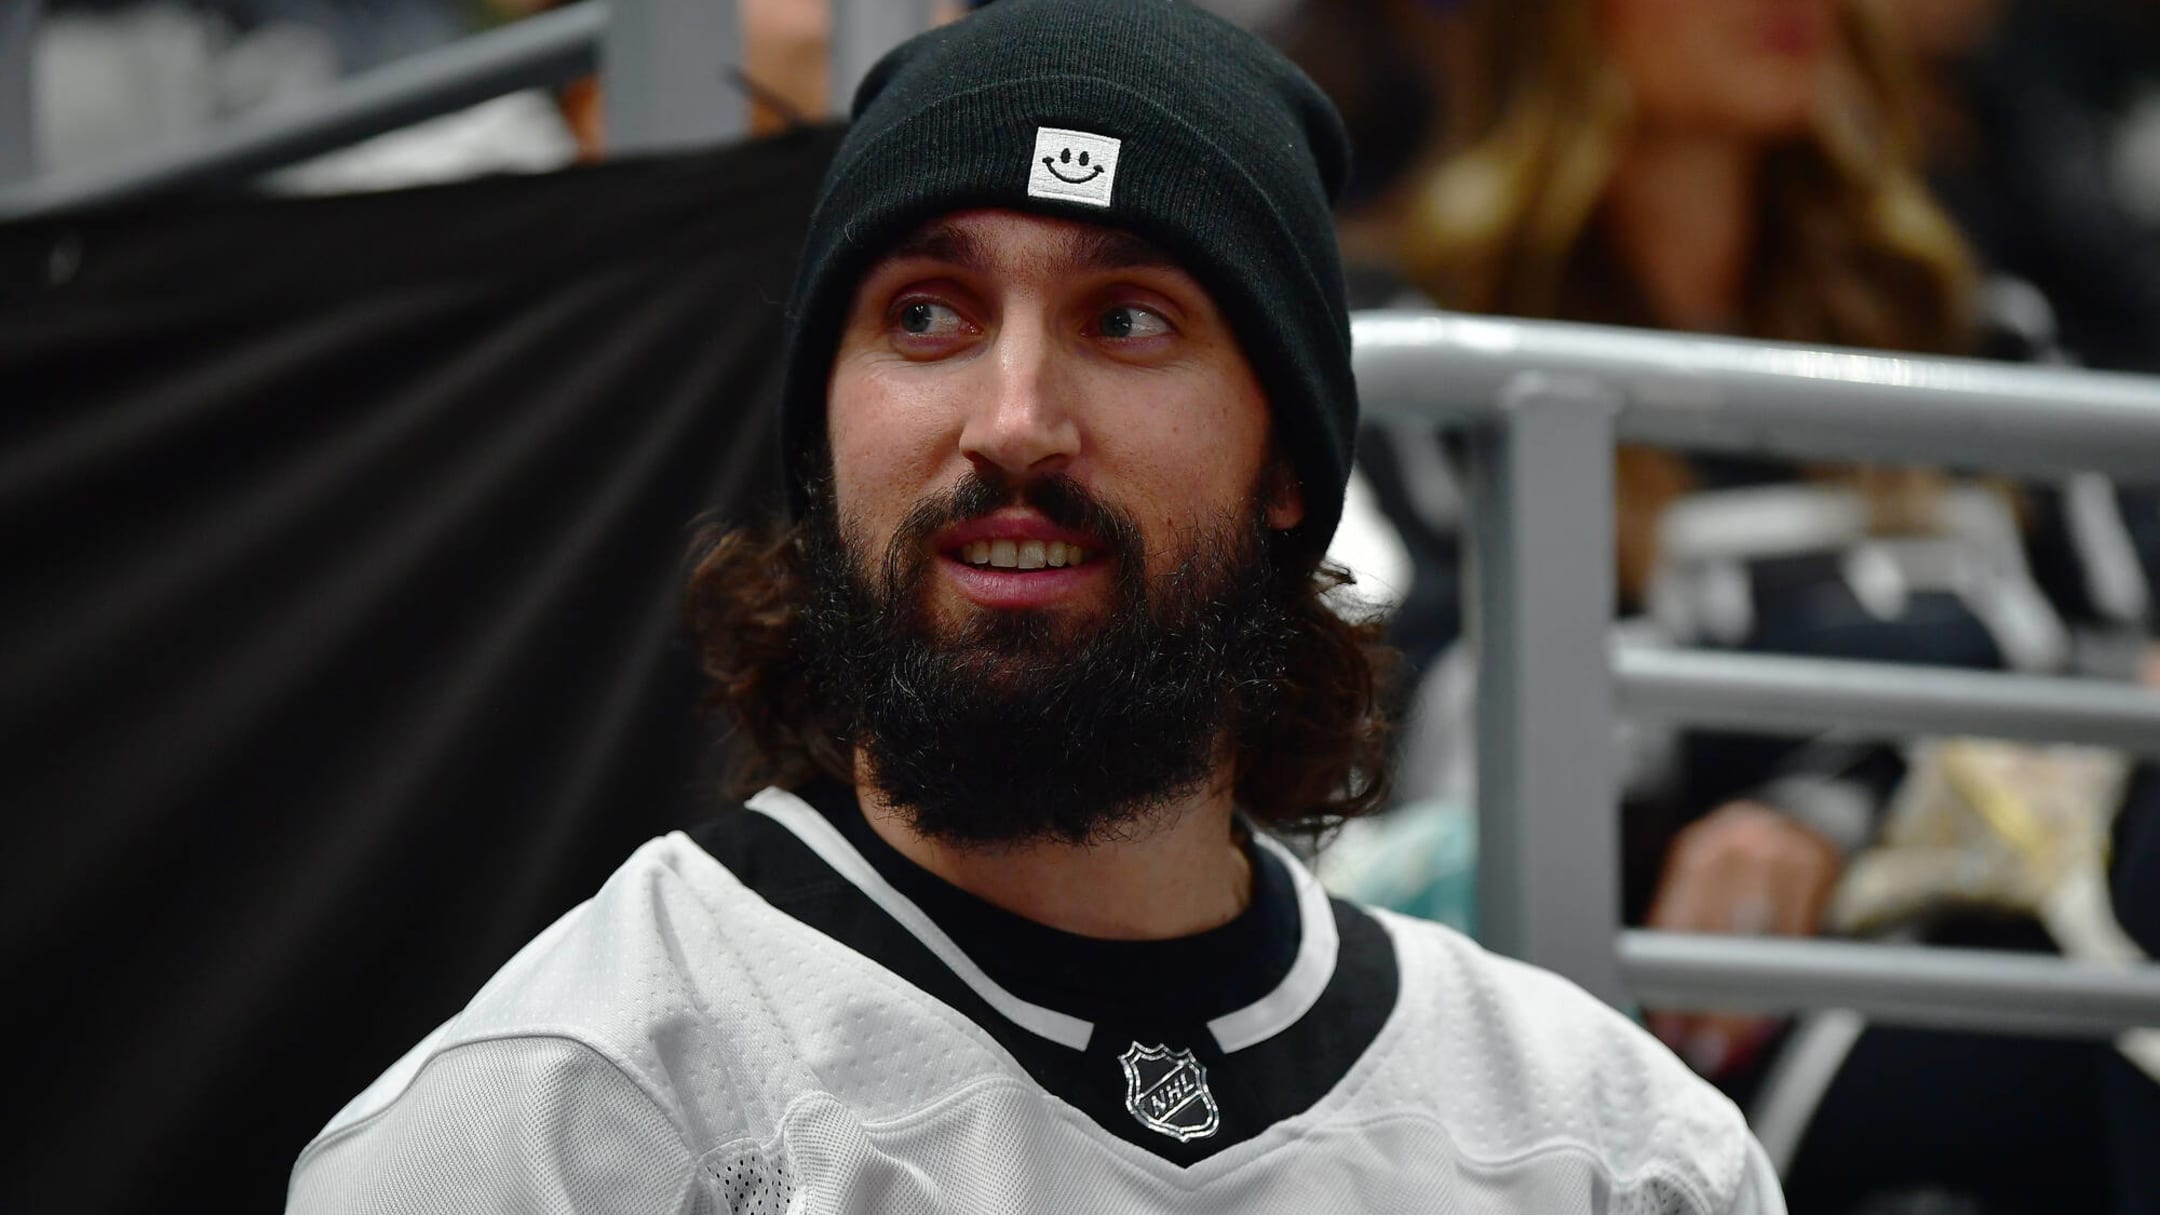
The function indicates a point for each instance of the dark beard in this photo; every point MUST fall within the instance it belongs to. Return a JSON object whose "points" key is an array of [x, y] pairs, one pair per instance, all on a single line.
{"points": [[1023, 726]]}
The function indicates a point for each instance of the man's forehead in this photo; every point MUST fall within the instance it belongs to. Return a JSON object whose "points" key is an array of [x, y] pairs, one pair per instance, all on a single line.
{"points": [[990, 241]]}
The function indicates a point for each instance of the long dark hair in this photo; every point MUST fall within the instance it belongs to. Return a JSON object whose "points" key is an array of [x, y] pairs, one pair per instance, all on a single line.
{"points": [[1317, 757]]}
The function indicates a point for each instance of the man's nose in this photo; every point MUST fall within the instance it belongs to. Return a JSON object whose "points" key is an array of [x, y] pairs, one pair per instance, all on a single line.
{"points": [[1021, 423]]}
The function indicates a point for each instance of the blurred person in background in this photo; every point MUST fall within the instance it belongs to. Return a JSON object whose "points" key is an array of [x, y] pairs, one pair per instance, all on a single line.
{"points": [[1389, 66], [1724, 167], [1749, 168], [2030, 116], [2041, 125]]}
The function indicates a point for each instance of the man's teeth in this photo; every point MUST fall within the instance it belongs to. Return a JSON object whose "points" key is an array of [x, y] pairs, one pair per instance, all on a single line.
{"points": [[1023, 554]]}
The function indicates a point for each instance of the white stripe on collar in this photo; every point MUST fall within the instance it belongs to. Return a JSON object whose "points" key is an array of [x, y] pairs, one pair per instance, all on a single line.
{"points": [[1309, 974], [1234, 1031], [810, 827]]}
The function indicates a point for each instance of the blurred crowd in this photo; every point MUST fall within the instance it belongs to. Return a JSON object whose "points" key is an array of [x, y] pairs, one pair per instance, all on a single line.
{"points": [[1954, 177]]}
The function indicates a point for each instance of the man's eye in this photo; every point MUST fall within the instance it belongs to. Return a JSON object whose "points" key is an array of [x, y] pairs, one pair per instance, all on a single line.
{"points": [[1132, 321], [925, 319]]}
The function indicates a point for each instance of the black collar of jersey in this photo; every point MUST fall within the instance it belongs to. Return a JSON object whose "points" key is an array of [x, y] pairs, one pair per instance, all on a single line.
{"points": [[1138, 994], [1195, 978]]}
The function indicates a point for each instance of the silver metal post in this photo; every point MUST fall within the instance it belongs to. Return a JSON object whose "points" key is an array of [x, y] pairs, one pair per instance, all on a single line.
{"points": [[862, 31], [1761, 691], [1905, 984], [18, 103], [1548, 825], [670, 69], [1767, 398]]}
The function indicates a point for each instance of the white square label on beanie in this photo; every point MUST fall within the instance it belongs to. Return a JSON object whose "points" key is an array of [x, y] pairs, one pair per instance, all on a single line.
{"points": [[1073, 165]]}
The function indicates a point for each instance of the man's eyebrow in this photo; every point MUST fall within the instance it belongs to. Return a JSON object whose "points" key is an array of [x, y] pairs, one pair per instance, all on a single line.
{"points": [[1089, 249], [941, 243], [1111, 249]]}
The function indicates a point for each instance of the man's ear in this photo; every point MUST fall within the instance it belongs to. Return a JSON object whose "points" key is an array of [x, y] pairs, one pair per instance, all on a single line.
{"points": [[1285, 497]]}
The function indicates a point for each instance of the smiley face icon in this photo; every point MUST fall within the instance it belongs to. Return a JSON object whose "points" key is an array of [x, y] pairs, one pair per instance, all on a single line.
{"points": [[1073, 166], [1087, 172]]}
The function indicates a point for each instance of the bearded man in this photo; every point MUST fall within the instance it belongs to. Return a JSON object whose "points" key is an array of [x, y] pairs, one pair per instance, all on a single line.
{"points": [[1037, 665]]}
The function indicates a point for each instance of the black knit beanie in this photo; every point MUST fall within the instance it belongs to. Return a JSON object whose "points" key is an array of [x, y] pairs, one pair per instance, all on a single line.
{"points": [[1146, 115]]}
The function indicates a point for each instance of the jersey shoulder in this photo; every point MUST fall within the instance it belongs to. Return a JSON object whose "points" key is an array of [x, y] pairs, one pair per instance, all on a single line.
{"points": [[1518, 1065], [682, 1000]]}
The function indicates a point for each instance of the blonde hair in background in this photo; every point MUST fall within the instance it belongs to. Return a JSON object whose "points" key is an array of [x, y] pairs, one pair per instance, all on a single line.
{"points": [[1851, 250], [1502, 225]]}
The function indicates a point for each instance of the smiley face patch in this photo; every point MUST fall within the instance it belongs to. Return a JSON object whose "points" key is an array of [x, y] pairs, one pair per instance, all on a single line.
{"points": [[1073, 165]]}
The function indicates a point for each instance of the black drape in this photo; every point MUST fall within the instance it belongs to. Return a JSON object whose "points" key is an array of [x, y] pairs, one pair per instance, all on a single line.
{"points": [[341, 542]]}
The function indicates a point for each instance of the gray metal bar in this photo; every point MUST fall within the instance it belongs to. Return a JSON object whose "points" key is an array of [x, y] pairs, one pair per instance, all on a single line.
{"points": [[543, 50], [1762, 692], [1769, 398], [1904, 984], [671, 69], [1548, 832], [862, 31], [18, 102]]}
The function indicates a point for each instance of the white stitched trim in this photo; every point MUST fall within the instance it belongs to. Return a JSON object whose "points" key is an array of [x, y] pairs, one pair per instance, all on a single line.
{"points": [[824, 839], [1309, 975]]}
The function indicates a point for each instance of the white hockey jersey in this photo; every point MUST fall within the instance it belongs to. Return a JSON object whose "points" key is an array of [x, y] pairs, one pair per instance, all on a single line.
{"points": [[784, 1015]]}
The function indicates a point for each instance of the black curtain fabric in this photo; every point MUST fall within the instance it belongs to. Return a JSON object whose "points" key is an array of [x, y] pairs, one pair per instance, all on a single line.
{"points": [[339, 653]]}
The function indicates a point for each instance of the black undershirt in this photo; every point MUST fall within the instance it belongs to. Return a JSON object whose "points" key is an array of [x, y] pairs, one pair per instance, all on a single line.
{"points": [[1149, 993]]}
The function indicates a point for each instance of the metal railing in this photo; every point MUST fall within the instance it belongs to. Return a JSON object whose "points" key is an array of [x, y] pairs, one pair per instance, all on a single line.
{"points": [[1871, 699], [1542, 405], [1805, 402], [1952, 988], [542, 50], [671, 69]]}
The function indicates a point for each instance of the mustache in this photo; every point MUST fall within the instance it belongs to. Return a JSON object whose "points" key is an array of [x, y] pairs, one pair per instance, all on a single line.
{"points": [[1058, 498]]}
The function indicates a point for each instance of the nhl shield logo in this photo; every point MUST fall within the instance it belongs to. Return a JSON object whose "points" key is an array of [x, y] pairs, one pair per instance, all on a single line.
{"points": [[1167, 1091]]}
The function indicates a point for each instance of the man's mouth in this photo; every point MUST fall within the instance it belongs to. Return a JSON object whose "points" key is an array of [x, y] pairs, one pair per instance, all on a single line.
{"points": [[1016, 558], [1022, 554]]}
